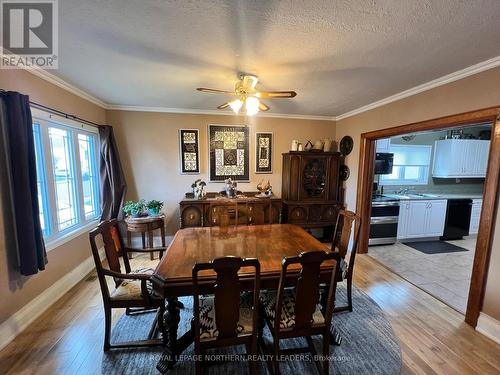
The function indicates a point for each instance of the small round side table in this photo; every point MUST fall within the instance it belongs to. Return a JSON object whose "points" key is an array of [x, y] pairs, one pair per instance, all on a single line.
{"points": [[146, 225]]}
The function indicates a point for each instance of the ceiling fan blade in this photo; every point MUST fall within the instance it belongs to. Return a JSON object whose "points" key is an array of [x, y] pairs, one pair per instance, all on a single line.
{"points": [[223, 106], [215, 91], [276, 94], [263, 107]]}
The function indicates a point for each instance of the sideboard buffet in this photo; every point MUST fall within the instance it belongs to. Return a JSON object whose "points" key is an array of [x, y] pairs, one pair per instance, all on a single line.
{"points": [[251, 210], [312, 195]]}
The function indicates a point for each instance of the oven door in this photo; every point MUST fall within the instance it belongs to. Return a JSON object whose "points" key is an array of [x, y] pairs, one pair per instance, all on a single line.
{"points": [[385, 209], [383, 230]]}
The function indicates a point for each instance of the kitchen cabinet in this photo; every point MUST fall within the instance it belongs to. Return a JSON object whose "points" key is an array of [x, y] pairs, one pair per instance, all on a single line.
{"points": [[383, 145], [421, 218], [460, 158], [475, 215]]}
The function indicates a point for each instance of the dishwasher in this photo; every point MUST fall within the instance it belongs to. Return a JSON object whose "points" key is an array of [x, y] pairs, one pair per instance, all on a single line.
{"points": [[457, 222]]}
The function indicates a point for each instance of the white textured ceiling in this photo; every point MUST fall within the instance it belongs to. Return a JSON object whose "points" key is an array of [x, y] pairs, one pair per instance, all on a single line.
{"points": [[338, 55]]}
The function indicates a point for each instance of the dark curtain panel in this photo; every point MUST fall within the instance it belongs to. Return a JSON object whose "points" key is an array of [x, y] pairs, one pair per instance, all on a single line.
{"points": [[113, 185], [17, 129]]}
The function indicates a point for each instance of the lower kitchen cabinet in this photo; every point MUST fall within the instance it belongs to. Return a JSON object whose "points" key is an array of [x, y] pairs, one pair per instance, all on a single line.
{"points": [[421, 218], [475, 216]]}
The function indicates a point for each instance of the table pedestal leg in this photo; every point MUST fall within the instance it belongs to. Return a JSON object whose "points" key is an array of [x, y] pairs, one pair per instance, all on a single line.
{"points": [[175, 345]]}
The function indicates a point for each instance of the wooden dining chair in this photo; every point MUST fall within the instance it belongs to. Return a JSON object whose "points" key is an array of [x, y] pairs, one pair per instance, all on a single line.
{"points": [[346, 222], [223, 213], [227, 317], [132, 289], [295, 311]]}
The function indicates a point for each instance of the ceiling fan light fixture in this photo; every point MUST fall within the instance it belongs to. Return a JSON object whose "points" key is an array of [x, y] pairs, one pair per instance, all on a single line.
{"points": [[236, 105], [252, 105]]}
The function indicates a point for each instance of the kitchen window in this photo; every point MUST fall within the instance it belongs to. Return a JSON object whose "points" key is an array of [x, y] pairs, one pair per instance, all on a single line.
{"points": [[411, 165], [67, 175]]}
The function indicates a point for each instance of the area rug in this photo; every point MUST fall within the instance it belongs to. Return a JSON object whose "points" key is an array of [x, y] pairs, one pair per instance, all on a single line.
{"points": [[369, 345], [434, 247]]}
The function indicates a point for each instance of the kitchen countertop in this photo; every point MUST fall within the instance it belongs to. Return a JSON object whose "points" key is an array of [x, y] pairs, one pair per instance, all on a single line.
{"points": [[430, 196]]}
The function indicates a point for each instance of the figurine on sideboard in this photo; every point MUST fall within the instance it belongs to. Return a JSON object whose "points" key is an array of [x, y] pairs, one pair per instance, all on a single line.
{"points": [[265, 189], [199, 189], [230, 188]]}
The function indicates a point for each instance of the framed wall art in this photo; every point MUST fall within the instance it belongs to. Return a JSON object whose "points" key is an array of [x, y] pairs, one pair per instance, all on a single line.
{"points": [[229, 152], [189, 143], [263, 152]]}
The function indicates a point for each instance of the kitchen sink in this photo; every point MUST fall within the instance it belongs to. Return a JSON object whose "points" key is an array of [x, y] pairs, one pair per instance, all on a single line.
{"points": [[414, 195]]}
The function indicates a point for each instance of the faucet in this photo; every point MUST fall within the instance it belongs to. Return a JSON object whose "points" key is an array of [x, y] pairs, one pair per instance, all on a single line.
{"points": [[403, 191]]}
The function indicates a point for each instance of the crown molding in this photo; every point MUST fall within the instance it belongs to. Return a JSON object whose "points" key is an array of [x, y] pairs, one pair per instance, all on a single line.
{"points": [[213, 112], [65, 85], [469, 71]]}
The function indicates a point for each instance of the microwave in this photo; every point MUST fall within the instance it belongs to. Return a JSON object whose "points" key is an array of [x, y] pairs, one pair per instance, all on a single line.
{"points": [[383, 162]]}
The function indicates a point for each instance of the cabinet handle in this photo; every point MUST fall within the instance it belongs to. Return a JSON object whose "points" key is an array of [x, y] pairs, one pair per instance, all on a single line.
{"points": [[250, 208], [250, 219]]}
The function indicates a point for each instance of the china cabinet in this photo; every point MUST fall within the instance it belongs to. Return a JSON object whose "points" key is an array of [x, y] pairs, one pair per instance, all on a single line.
{"points": [[311, 189]]}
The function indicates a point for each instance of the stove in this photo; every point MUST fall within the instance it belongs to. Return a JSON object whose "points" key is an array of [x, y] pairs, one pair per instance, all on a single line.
{"points": [[384, 220]]}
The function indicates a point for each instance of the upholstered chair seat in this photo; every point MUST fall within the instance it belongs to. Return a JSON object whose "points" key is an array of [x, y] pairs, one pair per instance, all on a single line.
{"points": [[208, 329], [287, 321]]}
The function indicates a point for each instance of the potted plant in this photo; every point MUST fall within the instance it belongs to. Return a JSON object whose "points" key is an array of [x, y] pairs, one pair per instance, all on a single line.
{"points": [[154, 207], [134, 209]]}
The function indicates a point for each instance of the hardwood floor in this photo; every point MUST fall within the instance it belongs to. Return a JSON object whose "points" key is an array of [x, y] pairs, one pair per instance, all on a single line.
{"points": [[68, 338]]}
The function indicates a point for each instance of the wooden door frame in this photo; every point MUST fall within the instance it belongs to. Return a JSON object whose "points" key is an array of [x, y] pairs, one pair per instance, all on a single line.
{"points": [[490, 196]]}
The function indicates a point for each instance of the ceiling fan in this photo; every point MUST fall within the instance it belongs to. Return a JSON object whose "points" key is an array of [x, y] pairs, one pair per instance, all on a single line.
{"points": [[248, 96]]}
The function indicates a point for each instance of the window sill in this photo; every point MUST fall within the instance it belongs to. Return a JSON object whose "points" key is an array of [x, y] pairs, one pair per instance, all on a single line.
{"points": [[70, 235]]}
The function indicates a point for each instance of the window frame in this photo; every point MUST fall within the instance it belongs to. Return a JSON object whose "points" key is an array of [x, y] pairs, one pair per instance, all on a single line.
{"points": [[56, 236], [424, 169]]}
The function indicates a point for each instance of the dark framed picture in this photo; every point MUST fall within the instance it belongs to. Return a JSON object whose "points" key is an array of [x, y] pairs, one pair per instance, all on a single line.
{"points": [[229, 152], [263, 152], [189, 144]]}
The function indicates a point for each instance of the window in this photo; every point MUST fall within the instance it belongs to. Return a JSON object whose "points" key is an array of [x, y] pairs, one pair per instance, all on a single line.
{"points": [[411, 165], [67, 174]]}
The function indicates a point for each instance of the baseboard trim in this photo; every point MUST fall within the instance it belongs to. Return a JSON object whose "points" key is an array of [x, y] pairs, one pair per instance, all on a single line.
{"points": [[489, 327], [22, 318]]}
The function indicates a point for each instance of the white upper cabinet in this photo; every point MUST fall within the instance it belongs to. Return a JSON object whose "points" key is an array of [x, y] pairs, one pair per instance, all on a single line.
{"points": [[460, 158], [383, 145]]}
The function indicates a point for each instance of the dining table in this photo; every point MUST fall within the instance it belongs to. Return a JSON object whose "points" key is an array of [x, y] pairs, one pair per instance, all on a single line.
{"points": [[268, 243]]}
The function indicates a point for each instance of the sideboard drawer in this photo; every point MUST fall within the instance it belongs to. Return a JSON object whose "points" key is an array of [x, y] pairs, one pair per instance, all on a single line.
{"points": [[191, 217], [330, 213], [255, 214], [297, 214]]}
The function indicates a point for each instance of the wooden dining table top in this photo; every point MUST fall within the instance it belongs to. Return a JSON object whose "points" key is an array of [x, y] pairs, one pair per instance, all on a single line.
{"points": [[268, 243]]}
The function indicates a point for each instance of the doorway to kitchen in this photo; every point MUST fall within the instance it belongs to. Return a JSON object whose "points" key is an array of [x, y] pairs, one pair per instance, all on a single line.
{"points": [[405, 181], [426, 203]]}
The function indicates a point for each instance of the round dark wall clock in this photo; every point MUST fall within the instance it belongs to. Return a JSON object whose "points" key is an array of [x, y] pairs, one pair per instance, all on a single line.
{"points": [[346, 145], [344, 172]]}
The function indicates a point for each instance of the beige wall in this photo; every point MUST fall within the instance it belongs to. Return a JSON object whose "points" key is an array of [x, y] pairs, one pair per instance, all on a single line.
{"points": [[149, 149], [17, 290], [475, 92]]}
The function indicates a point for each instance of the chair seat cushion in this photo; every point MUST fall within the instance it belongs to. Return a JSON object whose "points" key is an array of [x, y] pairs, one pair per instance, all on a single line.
{"points": [[344, 267], [287, 321], [131, 289], [208, 329]]}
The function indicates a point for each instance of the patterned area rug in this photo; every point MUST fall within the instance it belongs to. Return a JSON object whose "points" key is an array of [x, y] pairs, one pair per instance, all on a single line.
{"points": [[369, 345]]}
